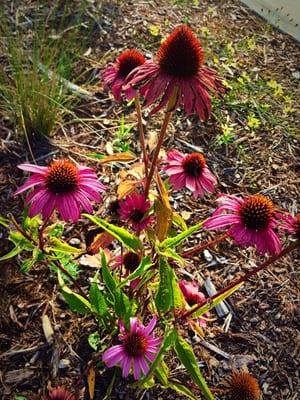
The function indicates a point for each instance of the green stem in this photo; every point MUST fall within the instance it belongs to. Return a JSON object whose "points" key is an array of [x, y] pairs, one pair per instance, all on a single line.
{"points": [[141, 132], [246, 277]]}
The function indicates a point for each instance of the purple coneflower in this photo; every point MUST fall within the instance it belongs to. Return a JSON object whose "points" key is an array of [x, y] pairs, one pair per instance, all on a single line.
{"points": [[62, 185], [190, 171], [178, 70], [251, 221], [138, 348], [60, 394], [291, 224], [192, 295], [114, 76], [135, 209]]}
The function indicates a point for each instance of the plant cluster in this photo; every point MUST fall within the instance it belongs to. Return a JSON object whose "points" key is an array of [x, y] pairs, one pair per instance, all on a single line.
{"points": [[139, 296]]}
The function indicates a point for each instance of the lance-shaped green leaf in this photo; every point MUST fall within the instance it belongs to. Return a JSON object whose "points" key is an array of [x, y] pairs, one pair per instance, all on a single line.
{"points": [[4, 221], [170, 253], [186, 355], [62, 247], [121, 303], [75, 301], [143, 267], [97, 299], [167, 342], [176, 240], [211, 304], [15, 251], [129, 240], [162, 373], [108, 279], [169, 295], [21, 241], [179, 221]]}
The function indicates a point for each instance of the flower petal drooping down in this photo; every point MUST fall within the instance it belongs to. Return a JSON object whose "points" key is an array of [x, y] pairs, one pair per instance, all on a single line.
{"points": [[290, 224], [115, 75], [251, 221], [134, 209], [178, 69], [139, 348], [59, 394], [190, 171], [64, 186]]}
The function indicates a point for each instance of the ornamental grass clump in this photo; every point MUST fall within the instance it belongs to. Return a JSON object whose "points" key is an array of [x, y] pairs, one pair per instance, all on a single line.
{"points": [[138, 295]]}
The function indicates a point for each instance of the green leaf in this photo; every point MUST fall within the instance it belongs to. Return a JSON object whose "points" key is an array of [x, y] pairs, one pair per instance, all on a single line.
{"points": [[15, 251], [208, 306], [182, 389], [76, 302], [179, 221], [97, 299], [169, 294], [169, 253], [186, 355], [167, 342], [143, 267], [94, 340], [176, 240], [55, 230], [62, 247], [129, 240], [66, 260], [20, 241], [162, 373], [108, 279], [4, 222], [122, 304]]}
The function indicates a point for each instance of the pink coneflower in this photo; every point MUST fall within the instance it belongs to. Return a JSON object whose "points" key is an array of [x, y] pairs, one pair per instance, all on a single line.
{"points": [[114, 76], [178, 69], [190, 171], [291, 224], [192, 295], [138, 348], [135, 209], [62, 185], [252, 221], [60, 394]]}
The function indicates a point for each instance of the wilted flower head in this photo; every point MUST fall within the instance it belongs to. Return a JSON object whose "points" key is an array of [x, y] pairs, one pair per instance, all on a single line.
{"points": [[130, 261], [114, 76], [138, 348], [244, 386], [178, 71], [135, 209], [291, 224], [62, 185], [192, 295], [251, 221], [60, 394], [190, 171]]}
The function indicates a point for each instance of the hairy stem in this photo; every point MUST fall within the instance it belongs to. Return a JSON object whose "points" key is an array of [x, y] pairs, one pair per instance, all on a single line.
{"points": [[202, 246], [245, 277], [141, 132], [41, 233]]}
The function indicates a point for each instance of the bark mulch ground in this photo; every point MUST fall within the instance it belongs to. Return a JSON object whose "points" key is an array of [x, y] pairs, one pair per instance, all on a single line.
{"points": [[263, 333]]}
